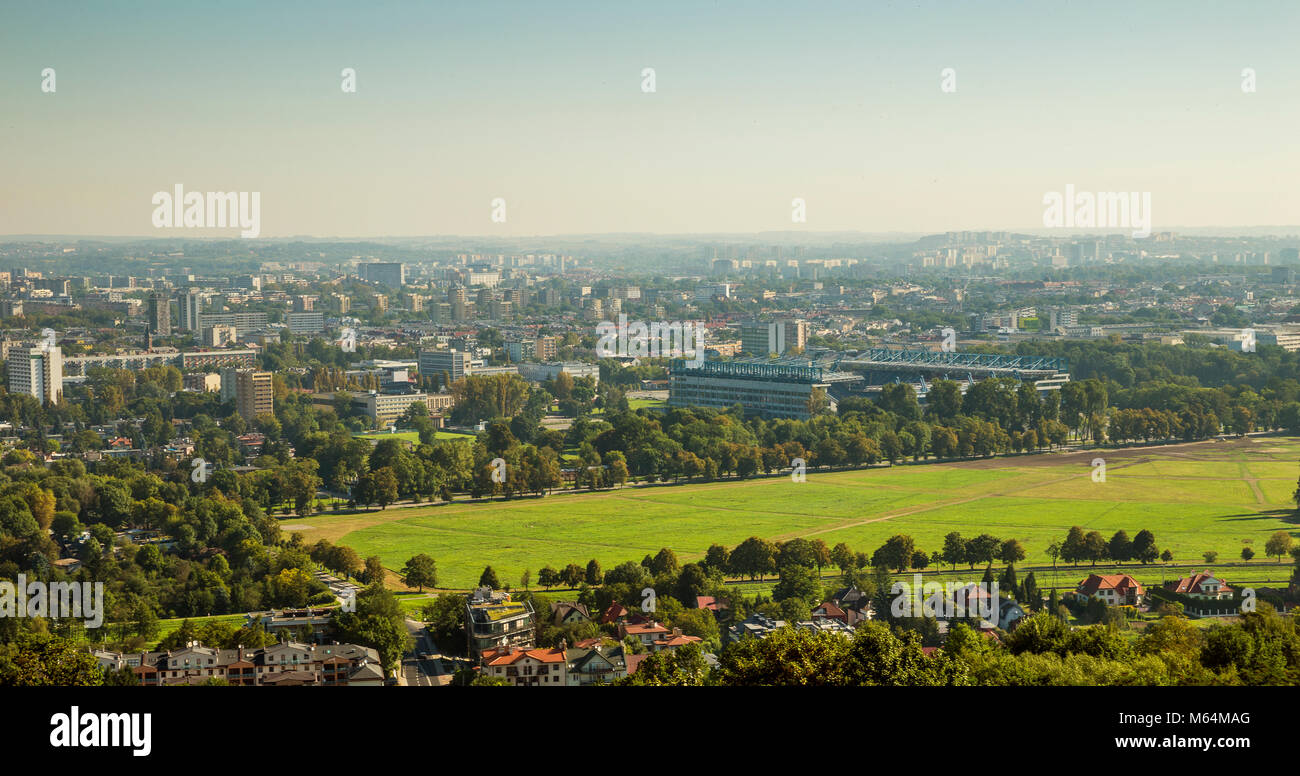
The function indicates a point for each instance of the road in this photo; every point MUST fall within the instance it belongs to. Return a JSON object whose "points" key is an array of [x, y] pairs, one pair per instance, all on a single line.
{"points": [[418, 671]]}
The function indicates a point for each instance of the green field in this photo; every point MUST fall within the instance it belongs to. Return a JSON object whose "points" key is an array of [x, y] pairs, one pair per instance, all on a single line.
{"points": [[1219, 496]]}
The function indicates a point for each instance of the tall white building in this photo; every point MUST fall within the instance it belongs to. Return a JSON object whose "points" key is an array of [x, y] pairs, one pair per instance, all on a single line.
{"points": [[37, 371]]}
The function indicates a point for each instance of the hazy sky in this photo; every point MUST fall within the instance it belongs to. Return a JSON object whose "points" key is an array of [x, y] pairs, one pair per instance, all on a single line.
{"points": [[540, 103]]}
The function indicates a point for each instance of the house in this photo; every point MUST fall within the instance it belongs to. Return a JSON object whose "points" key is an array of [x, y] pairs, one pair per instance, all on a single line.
{"points": [[1010, 614], [825, 625], [67, 565], [301, 624], [645, 632], [594, 664], [856, 605], [1204, 585], [569, 613], [829, 610], [286, 664], [673, 641], [711, 603], [527, 667], [1204, 595], [616, 613], [1112, 589], [754, 626]]}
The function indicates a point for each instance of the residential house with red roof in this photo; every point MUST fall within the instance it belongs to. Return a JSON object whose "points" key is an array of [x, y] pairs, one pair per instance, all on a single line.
{"points": [[1112, 589], [527, 667]]}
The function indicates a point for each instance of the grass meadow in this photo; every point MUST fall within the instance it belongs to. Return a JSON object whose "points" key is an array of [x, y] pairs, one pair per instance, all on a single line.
{"points": [[1211, 496]]}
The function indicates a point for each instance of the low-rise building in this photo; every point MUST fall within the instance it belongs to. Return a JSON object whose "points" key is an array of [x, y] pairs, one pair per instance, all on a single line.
{"points": [[284, 664], [493, 620], [1112, 589]]}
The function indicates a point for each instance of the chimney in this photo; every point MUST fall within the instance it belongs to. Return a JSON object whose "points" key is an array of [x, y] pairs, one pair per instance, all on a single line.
{"points": [[677, 631]]}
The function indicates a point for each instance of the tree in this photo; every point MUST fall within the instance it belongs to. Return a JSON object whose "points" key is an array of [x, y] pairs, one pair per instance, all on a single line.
{"points": [[1095, 547], [954, 549], [1075, 547], [385, 486], [594, 576], [1144, 548], [799, 582], [1167, 556], [39, 659], [420, 571], [1210, 556], [752, 558], [1247, 553], [1278, 545], [1011, 552], [715, 559], [896, 553], [374, 570], [842, 556], [526, 579], [665, 562], [547, 577], [1120, 547], [489, 579], [1054, 552], [982, 549], [572, 575]]}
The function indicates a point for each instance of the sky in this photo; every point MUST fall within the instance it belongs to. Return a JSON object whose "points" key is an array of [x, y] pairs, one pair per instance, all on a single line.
{"points": [[541, 104]]}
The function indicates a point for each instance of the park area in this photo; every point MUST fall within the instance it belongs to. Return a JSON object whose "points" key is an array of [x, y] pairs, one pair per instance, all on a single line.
{"points": [[1215, 496]]}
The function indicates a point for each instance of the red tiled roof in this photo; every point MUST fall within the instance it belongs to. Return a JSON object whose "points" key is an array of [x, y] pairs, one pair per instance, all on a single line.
{"points": [[1193, 583], [639, 628], [613, 613], [1120, 583], [540, 655]]}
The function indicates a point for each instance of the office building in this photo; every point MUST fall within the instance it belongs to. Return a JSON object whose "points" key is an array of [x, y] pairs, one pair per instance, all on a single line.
{"points": [[454, 362], [759, 338], [384, 273]]}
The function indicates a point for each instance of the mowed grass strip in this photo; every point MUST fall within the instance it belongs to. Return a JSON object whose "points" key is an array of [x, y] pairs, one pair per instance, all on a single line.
{"points": [[1206, 505]]}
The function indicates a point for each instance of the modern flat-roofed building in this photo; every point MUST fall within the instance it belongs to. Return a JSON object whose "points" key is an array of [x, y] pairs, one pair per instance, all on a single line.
{"points": [[306, 322], [37, 371], [760, 338], [160, 314], [575, 369], [492, 620], [244, 323], [455, 363], [251, 389], [385, 273], [777, 388]]}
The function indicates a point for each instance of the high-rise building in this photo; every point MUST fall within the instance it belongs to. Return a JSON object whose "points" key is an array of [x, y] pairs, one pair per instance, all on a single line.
{"points": [[251, 389], [37, 371], [160, 314], [191, 308], [759, 338], [305, 323], [385, 273]]}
